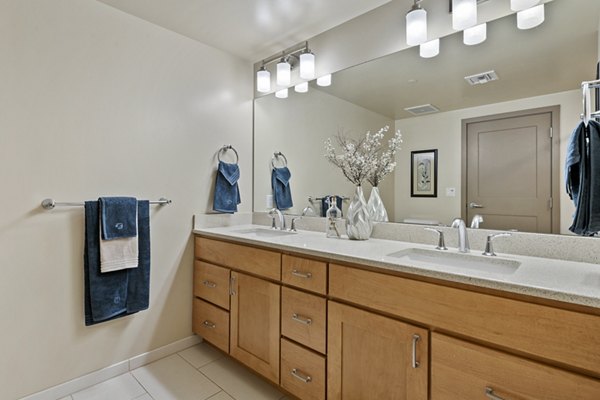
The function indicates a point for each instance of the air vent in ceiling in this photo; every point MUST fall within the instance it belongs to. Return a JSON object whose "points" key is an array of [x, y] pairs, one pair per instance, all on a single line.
{"points": [[484, 77], [423, 109]]}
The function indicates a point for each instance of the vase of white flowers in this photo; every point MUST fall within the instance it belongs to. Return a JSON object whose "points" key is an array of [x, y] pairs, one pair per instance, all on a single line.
{"points": [[384, 164], [358, 161]]}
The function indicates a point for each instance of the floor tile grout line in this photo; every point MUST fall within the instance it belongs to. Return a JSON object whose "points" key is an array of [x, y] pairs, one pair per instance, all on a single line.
{"points": [[140, 383]]}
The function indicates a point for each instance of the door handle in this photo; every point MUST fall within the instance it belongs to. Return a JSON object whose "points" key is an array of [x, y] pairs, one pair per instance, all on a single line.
{"points": [[415, 362], [475, 205]]}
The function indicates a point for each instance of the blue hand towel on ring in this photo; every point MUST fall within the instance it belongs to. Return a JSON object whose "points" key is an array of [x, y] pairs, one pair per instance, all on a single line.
{"points": [[227, 192]]}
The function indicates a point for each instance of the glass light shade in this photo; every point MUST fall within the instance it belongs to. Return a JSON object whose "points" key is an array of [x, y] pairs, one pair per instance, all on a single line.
{"points": [[416, 27], [430, 49], [531, 17], [307, 66], [519, 5], [324, 80], [282, 94], [464, 14], [301, 87], [475, 35], [263, 80], [284, 73]]}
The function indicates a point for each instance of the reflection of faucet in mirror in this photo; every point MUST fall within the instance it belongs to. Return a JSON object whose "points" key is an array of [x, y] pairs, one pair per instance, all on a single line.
{"points": [[476, 221], [463, 239], [275, 212]]}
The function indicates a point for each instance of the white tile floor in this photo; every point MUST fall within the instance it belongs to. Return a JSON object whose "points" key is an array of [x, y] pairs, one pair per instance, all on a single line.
{"points": [[197, 373]]}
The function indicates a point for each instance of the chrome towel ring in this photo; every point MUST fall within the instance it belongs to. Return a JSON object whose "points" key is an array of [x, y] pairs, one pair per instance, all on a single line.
{"points": [[276, 156], [224, 149]]}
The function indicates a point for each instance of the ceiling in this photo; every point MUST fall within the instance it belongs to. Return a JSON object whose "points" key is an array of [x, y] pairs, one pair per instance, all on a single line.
{"points": [[250, 29]]}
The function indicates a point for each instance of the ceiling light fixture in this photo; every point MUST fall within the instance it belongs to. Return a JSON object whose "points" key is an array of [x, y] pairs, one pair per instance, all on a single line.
{"points": [[531, 17], [464, 14], [520, 5], [282, 94], [429, 49], [263, 80], [284, 72], [416, 25], [301, 87], [475, 35], [324, 80]]}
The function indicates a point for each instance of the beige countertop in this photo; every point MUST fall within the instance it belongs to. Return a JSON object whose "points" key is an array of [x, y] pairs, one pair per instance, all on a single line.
{"points": [[565, 281]]}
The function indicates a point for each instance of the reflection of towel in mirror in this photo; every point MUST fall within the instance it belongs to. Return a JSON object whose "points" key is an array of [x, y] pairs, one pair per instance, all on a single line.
{"points": [[282, 192], [325, 204], [115, 294], [582, 176], [227, 192]]}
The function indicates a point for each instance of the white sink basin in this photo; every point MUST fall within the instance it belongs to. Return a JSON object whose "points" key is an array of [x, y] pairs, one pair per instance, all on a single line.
{"points": [[264, 232], [443, 260]]}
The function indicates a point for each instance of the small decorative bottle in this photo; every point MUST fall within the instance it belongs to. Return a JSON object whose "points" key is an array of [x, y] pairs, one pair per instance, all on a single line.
{"points": [[332, 215]]}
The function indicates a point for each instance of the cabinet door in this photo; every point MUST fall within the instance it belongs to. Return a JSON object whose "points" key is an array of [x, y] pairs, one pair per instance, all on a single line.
{"points": [[374, 357], [465, 371], [254, 337]]}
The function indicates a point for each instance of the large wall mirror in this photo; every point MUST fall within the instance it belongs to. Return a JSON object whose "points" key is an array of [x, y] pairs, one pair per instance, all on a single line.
{"points": [[540, 73]]}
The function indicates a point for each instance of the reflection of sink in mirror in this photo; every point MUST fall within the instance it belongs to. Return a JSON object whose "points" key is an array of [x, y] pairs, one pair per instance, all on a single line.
{"points": [[264, 232], [458, 261]]}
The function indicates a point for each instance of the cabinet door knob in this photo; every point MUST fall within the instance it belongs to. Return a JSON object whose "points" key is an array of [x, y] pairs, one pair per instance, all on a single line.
{"points": [[415, 362], [301, 376], [209, 284], [208, 324], [489, 392], [301, 274], [302, 319]]}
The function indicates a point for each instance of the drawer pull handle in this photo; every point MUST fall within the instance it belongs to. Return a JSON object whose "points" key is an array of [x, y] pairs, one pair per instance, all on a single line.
{"points": [[300, 376], [208, 324], [489, 392], [415, 339], [302, 319], [209, 284], [300, 274]]}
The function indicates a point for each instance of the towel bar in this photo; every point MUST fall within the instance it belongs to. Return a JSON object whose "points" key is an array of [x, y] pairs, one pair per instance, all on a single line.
{"points": [[49, 204]]}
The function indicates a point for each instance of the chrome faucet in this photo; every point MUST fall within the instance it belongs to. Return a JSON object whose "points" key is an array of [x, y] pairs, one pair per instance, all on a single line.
{"points": [[463, 238], [489, 248], [307, 210], [272, 214], [476, 221]]}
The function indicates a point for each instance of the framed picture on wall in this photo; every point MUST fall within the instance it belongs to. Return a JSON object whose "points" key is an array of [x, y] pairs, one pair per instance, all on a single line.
{"points": [[423, 173]]}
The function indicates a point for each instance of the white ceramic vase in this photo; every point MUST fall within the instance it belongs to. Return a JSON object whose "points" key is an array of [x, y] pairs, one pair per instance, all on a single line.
{"points": [[376, 207], [358, 219]]}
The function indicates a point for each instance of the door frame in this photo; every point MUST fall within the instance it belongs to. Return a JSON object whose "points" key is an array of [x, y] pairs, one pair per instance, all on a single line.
{"points": [[554, 151]]}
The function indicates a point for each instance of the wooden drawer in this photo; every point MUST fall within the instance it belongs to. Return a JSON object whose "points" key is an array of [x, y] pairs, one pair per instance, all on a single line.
{"points": [[211, 283], [307, 274], [555, 334], [212, 324], [302, 372], [461, 370], [303, 318], [243, 258]]}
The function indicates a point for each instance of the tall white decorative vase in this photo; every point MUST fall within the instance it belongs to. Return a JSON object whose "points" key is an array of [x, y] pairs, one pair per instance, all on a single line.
{"points": [[358, 219], [376, 207]]}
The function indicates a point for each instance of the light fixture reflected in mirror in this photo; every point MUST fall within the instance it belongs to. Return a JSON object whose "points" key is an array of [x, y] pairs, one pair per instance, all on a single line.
{"points": [[282, 94], [430, 49], [519, 5], [475, 35], [301, 87], [416, 25], [284, 72], [324, 80], [531, 17], [464, 14], [307, 65], [263, 80]]}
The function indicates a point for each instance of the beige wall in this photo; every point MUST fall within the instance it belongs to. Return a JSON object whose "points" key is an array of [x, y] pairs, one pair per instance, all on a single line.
{"points": [[443, 132], [97, 102], [298, 127]]}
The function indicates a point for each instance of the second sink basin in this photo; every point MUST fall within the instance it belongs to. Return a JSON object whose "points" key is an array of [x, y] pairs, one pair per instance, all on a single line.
{"points": [[264, 232], [457, 262]]}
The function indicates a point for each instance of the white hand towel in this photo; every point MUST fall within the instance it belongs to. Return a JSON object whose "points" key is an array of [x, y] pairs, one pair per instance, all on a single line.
{"points": [[118, 254]]}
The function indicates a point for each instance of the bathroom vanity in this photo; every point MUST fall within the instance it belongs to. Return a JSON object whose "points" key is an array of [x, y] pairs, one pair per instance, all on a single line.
{"points": [[334, 319]]}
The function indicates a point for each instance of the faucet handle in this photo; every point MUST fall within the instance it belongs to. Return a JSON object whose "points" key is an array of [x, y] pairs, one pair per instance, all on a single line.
{"points": [[293, 223], [489, 248], [441, 242]]}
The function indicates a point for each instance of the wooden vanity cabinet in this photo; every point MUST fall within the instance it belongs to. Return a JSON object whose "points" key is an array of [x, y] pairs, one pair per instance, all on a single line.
{"points": [[374, 357]]}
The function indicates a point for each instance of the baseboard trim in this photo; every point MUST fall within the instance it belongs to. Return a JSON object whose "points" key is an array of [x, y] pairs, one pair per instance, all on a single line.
{"points": [[101, 375]]}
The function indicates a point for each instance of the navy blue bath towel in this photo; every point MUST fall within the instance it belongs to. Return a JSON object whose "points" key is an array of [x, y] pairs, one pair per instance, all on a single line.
{"points": [[227, 192], [119, 217], [325, 204], [282, 192], [115, 294]]}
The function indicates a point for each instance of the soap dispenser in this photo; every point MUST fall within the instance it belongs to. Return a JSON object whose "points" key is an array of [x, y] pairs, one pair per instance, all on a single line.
{"points": [[331, 216]]}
